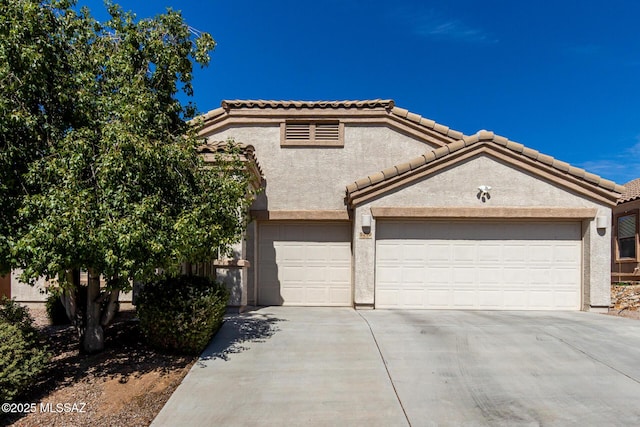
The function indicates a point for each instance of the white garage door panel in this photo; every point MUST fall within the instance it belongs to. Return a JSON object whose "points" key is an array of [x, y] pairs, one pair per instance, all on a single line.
{"points": [[304, 264], [466, 265]]}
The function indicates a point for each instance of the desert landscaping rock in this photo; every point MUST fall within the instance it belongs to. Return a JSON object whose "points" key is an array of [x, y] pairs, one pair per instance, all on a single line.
{"points": [[625, 297]]}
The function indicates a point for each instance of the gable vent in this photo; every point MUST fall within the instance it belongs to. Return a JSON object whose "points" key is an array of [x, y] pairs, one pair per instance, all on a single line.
{"points": [[298, 131], [322, 133], [328, 131]]}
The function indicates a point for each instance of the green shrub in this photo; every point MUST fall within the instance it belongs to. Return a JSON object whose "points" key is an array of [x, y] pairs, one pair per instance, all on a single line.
{"points": [[55, 309], [22, 356], [17, 315], [181, 313]]}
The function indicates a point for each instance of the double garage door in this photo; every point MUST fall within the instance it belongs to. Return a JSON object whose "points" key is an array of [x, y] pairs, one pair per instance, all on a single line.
{"points": [[478, 265]]}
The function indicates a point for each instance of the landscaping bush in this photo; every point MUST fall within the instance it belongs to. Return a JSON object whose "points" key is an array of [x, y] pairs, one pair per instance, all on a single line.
{"points": [[22, 355], [55, 309], [181, 313]]}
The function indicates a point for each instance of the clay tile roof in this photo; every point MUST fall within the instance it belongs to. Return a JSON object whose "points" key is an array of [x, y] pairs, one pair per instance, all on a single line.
{"points": [[487, 137], [454, 142], [427, 123], [220, 147], [631, 191], [260, 103]]}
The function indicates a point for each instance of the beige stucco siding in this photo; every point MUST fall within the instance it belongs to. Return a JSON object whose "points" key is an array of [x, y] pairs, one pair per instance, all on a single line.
{"points": [[458, 186], [314, 178], [510, 187], [23, 292]]}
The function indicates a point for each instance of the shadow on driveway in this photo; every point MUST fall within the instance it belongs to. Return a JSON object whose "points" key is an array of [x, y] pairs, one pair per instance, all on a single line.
{"points": [[238, 330]]}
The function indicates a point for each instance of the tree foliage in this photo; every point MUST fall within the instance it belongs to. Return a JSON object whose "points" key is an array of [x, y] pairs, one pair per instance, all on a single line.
{"points": [[102, 172], [33, 109]]}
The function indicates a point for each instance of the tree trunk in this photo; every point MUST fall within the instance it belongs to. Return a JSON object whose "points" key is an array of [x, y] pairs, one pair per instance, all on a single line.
{"points": [[69, 295], [72, 300], [92, 339], [111, 307]]}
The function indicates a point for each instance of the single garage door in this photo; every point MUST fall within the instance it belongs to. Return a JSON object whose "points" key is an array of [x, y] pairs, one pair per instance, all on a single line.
{"points": [[478, 265], [304, 264]]}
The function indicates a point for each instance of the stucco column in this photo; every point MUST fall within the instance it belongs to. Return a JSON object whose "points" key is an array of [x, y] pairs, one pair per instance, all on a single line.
{"points": [[364, 260], [597, 262]]}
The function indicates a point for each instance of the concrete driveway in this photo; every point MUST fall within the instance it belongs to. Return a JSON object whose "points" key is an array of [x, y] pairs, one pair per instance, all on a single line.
{"points": [[321, 366]]}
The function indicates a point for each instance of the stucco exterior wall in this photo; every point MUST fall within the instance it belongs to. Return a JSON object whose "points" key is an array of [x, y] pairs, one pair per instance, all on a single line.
{"points": [[458, 186], [235, 277], [314, 178], [23, 292], [510, 187]]}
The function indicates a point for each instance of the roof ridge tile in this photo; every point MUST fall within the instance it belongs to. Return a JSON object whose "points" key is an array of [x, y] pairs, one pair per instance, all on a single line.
{"points": [[413, 117], [591, 177], [546, 159], [485, 135], [362, 183], [560, 165], [455, 134], [441, 152], [501, 140], [471, 139], [390, 172], [376, 178], [416, 162], [441, 128], [427, 122], [577, 171], [531, 153], [403, 167], [515, 146], [456, 145], [402, 112], [262, 103]]}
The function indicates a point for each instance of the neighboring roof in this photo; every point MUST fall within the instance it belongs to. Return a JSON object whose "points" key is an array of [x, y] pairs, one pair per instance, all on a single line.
{"points": [[369, 111], [631, 191], [376, 183]]}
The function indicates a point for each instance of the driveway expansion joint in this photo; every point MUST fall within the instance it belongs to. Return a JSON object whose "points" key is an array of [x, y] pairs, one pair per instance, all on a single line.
{"points": [[595, 359], [386, 368]]}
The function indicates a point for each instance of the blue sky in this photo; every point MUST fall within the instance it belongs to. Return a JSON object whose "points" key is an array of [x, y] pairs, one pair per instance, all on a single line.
{"points": [[562, 77]]}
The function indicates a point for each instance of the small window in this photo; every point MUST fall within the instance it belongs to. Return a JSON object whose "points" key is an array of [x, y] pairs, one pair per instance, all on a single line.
{"points": [[627, 228], [324, 133]]}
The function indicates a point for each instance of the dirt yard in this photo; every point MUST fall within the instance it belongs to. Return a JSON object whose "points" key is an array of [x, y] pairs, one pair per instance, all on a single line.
{"points": [[126, 385]]}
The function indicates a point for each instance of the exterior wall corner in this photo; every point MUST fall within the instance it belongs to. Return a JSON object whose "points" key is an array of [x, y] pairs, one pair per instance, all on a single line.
{"points": [[364, 260]]}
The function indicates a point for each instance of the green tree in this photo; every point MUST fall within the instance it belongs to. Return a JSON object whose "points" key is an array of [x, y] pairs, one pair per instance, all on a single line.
{"points": [[119, 189], [33, 111]]}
